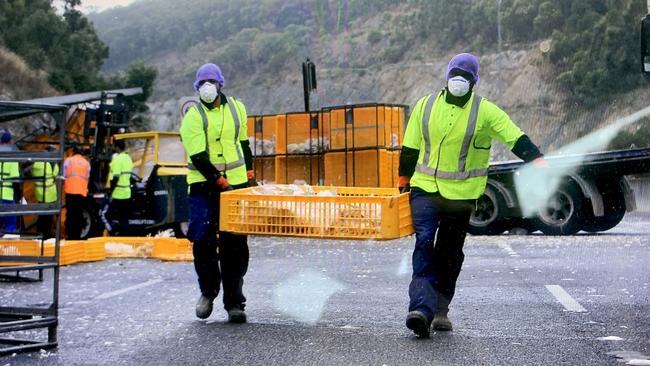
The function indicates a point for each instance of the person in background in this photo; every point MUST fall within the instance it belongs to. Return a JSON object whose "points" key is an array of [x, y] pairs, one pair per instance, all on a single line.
{"points": [[9, 191], [45, 191], [444, 164], [121, 167], [215, 138], [76, 172]]}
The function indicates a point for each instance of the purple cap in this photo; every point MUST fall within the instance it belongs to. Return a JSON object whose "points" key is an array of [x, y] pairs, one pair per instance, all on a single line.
{"points": [[466, 62], [209, 72]]}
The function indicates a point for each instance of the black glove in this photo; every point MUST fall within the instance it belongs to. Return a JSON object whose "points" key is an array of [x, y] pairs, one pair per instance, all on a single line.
{"points": [[253, 182], [406, 188]]}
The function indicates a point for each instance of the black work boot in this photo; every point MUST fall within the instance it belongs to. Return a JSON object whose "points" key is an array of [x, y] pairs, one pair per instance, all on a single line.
{"points": [[441, 322], [204, 307], [418, 323], [236, 315]]}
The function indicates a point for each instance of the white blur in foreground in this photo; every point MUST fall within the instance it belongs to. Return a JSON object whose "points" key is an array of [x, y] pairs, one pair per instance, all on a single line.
{"points": [[535, 185], [303, 296]]}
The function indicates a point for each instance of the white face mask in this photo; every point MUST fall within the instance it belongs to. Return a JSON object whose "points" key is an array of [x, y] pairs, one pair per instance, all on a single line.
{"points": [[458, 86], [208, 92]]}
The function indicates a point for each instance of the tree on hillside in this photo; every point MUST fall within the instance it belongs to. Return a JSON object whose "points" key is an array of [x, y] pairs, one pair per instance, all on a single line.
{"points": [[67, 46]]}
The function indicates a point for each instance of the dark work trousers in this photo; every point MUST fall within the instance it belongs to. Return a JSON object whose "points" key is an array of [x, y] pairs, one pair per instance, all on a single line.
{"points": [[436, 266], [44, 225], [219, 257], [119, 211], [74, 220]]}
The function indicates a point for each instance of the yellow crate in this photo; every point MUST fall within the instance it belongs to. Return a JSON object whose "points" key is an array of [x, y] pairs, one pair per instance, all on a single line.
{"points": [[298, 169], [126, 247], [70, 252], [354, 213], [19, 247], [172, 249], [298, 133], [362, 168], [363, 126]]}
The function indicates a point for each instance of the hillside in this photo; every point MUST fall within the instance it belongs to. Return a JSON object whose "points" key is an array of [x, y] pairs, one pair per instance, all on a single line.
{"points": [[18, 81]]}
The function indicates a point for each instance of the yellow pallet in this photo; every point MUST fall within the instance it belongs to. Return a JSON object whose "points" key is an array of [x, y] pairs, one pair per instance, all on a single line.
{"points": [[354, 213], [172, 249], [19, 247], [69, 252], [125, 247]]}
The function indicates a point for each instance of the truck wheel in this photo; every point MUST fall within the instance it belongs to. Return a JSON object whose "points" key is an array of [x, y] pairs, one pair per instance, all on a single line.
{"points": [[489, 218], [614, 205], [564, 213], [180, 229]]}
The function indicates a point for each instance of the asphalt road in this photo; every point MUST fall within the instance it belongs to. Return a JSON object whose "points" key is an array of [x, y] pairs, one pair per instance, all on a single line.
{"points": [[521, 300]]}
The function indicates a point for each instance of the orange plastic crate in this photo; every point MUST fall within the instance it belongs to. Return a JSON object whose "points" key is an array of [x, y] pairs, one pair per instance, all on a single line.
{"points": [[172, 249], [364, 126], [298, 169], [264, 168], [263, 133], [70, 252], [299, 133], [19, 247], [362, 168], [93, 251], [354, 213]]}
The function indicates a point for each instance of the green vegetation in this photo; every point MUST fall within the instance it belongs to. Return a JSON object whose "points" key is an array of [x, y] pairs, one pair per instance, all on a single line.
{"points": [[66, 47], [594, 43]]}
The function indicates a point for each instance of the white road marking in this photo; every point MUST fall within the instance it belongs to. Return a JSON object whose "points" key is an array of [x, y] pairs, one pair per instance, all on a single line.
{"points": [[508, 248], [127, 289], [565, 299]]}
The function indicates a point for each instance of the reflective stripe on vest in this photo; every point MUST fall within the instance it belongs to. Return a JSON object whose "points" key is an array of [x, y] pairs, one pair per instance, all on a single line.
{"points": [[461, 174], [221, 167]]}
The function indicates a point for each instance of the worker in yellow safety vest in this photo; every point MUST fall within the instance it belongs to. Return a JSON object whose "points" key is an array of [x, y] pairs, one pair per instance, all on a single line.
{"points": [[215, 138], [444, 164], [45, 191], [76, 172], [9, 190], [119, 193]]}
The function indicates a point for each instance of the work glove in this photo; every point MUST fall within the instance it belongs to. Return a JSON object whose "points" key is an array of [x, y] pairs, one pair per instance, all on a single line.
{"points": [[403, 184], [223, 184], [252, 182]]}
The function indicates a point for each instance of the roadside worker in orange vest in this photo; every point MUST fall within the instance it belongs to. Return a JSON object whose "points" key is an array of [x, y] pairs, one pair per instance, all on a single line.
{"points": [[76, 171], [444, 163], [215, 138], [45, 191]]}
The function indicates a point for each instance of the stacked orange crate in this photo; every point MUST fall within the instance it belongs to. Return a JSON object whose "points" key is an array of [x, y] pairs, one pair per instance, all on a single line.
{"points": [[299, 149], [262, 134], [365, 141]]}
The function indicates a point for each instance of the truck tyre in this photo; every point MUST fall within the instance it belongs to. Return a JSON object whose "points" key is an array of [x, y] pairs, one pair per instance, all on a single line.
{"points": [[490, 216], [565, 212], [614, 210]]}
